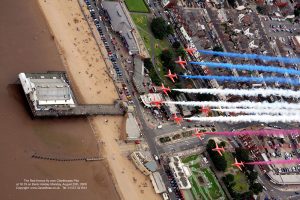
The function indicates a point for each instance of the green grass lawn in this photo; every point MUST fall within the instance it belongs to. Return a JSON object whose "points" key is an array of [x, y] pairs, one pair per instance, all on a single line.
{"points": [[239, 177], [142, 23], [215, 189], [229, 159], [136, 6], [189, 158], [211, 191], [241, 185]]}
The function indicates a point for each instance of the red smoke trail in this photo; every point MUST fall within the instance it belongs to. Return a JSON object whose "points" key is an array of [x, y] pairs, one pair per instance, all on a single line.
{"points": [[283, 146], [257, 132], [274, 162]]}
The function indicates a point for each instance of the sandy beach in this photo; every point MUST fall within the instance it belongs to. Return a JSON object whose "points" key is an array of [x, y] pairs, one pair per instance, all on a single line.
{"points": [[88, 73]]}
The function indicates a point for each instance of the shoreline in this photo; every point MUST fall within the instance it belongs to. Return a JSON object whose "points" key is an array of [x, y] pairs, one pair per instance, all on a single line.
{"points": [[81, 54]]}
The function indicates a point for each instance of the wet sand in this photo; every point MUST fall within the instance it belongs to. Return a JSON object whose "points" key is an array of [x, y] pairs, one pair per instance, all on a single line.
{"points": [[26, 45]]}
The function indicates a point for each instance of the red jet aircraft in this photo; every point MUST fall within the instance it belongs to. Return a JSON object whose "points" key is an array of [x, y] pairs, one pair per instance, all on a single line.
{"points": [[165, 89], [177, 119], [190, 50], [181, 62], [238, 164], [219, 149], [171, 76], [198, 134], [205, 110], [157, 103]]}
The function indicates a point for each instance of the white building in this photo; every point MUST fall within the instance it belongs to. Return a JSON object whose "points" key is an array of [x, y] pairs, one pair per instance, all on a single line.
{"points": [[47, 90], [148, 98], [145, 165], [133, 131]]}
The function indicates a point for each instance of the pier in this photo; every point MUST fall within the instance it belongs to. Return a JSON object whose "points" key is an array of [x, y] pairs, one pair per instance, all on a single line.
{"points": [[81, 110], [50, 95]]}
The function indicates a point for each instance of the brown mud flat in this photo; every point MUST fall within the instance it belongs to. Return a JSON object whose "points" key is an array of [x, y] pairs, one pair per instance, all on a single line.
{"points": [[27, 46]]}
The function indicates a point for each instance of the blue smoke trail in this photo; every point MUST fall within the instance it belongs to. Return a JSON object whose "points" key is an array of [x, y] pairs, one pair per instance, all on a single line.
{"points": [[249, 67], [252, 56], [246, 79]]}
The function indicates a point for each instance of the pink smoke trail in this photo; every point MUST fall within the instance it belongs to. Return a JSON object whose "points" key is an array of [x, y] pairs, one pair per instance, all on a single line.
{"points": [[273, 162], [257, 132]]}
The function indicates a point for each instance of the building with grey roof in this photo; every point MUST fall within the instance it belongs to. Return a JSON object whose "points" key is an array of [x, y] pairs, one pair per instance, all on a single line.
{"points": [[145, 165], [186, 110], [133, 131], [138, 75], [47, 90], [121, 24], [157, 182]]}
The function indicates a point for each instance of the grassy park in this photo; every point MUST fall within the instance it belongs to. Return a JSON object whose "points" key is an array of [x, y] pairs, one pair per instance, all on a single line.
{"points": [[137, 6], [154, 46], [240, 178], [142, 23], [204, 183]]}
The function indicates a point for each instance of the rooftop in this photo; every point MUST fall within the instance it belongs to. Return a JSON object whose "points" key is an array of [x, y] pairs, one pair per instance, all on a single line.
{"points": [[47, 89], [132, 128], [120, 23], [138, 76]]}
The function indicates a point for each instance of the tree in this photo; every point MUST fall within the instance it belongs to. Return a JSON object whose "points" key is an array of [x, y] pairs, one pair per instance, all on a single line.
{"points": [[218, 48], [148, 63], [231, 3], [180, 52], [160, 28], [169, 30], [297, 12], [230, 178], [256, 188], [262, 9], [219, 161], [252, 176], [154, 77], [222, 144], [167, 59], [242, 154], [176, 45]]}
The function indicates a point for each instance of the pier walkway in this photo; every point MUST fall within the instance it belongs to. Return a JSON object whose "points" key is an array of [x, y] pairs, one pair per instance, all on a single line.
{"points": [[81, 110]]}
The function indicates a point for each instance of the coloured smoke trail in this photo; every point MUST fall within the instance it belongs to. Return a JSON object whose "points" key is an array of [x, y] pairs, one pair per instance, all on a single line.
{"points": [[264, 132], [292, 161], [269, 79], [261, 111], [244, 92], [241, 104], [249, 67], [248, 118], [251, 56]]}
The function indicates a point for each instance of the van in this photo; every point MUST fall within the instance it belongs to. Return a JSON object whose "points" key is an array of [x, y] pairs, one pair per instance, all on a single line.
{"points": [[165, 196]]}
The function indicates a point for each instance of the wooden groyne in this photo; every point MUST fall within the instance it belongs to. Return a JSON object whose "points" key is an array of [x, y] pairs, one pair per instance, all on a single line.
{"points": [[87, 159]]}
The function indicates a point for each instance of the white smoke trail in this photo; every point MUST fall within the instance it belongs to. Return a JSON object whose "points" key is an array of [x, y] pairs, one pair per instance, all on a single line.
{"points": [[242, 104], [261, 111], [248, 118], [251, 92]]}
